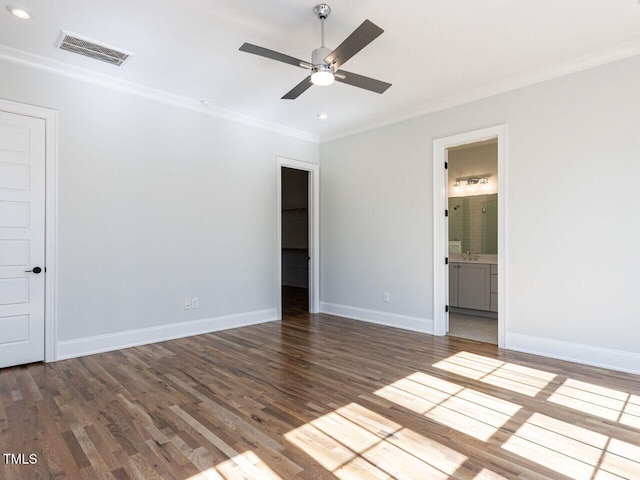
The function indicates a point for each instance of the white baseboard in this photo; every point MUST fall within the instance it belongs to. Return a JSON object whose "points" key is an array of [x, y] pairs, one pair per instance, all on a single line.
{"points": [[132, 338], [575, 352], [416, 324], [586, 354]]}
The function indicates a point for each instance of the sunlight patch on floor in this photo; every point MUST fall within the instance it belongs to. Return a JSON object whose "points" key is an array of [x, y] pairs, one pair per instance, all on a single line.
{"points": [[419, 392], [236, 468], [599, 401], [233, 468], [631, 413], [621, 458], [488, 475], [476, 414], [353, 442], [573, 451], [208, 474], [516, 378]]}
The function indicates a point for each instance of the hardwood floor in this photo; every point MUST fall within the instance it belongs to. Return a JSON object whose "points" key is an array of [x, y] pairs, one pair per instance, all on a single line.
{"points": [[295, 300], [318, 397]]}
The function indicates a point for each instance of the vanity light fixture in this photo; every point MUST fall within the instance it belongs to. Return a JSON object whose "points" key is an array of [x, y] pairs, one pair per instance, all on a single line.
{"points": [[472, 181], [19, 12]]}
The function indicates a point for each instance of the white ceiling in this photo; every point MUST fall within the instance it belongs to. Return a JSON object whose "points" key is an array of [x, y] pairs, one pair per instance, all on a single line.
{"points": [[435, 53]]}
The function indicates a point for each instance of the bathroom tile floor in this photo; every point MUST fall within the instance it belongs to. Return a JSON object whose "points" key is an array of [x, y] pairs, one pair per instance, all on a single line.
{"points": [[471, 327]]}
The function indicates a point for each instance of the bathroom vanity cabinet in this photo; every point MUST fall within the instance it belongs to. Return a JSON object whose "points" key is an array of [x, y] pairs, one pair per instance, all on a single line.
{"points": [[473, 286], [494, 288]]}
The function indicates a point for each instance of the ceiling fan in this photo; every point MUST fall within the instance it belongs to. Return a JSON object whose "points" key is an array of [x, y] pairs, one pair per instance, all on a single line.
{"points": [[325, 64]]}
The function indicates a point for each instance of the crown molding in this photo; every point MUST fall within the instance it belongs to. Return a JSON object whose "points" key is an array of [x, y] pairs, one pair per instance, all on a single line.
{"points": [[595, 59], [106, 81], [586, 62]]}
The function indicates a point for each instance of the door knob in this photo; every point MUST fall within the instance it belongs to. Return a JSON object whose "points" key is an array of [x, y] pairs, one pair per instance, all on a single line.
{"points": [[34, 270]]}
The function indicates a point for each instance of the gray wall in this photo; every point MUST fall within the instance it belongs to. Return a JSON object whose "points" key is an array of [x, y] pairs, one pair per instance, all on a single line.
{"points": [[572, 219], [156, 204]]}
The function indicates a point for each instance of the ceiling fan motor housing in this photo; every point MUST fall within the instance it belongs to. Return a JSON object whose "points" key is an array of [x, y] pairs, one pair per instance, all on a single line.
{"points": [[322, 73], [319, 54]]}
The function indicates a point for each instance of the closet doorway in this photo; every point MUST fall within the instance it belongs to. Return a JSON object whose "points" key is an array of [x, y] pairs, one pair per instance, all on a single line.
{"points": [[298, 239], [295, 240]]}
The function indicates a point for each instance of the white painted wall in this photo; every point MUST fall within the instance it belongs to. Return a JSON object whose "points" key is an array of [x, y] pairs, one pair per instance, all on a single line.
{"points": [[156, 204], [375, 231], [573, 224]]}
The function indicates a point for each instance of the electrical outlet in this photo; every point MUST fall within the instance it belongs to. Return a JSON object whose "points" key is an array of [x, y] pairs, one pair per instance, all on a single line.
{"points": [[194, 303], [187, 303], [386, 297]]}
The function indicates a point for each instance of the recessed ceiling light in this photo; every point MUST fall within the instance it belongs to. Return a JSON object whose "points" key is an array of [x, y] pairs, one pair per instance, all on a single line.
{"points": [[19, 12], [323, 116], [206, 102]]}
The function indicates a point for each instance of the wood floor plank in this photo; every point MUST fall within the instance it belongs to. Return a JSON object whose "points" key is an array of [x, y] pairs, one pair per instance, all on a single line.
{"points": [[319, 397]]}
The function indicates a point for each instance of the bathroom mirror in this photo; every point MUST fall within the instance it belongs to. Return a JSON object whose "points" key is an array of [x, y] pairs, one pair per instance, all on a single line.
{"points": [[473, 224]]}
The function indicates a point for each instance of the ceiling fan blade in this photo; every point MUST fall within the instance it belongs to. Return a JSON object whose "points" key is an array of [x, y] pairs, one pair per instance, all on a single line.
{"points": [[298, 90], [361, 81], [360, 38], [280, 57]]}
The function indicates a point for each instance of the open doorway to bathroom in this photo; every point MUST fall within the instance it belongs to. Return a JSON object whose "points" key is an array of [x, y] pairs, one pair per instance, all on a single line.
{"points": [[441, 175], [472, 198]]}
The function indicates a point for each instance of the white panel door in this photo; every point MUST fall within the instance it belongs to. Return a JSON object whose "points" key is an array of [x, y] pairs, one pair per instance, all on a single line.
{"points": [[22, 239]]}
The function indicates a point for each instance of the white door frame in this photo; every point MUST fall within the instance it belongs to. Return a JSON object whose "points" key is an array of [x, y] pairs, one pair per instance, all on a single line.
{"points": [[314, 231], [50, 118], [440, 225]]}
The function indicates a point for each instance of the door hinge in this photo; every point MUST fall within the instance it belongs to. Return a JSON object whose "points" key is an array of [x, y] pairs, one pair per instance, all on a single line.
{"points": [[446, 260], [446, 212], [446, 165], [446, 308]]}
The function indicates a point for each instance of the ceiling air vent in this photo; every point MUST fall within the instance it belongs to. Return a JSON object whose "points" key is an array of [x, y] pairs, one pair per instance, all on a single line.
{"points": [[90, 48]]}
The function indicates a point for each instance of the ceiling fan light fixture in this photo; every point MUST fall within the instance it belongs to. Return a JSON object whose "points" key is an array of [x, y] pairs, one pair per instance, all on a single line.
{"points": [[322, 75], [322, 79]]}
